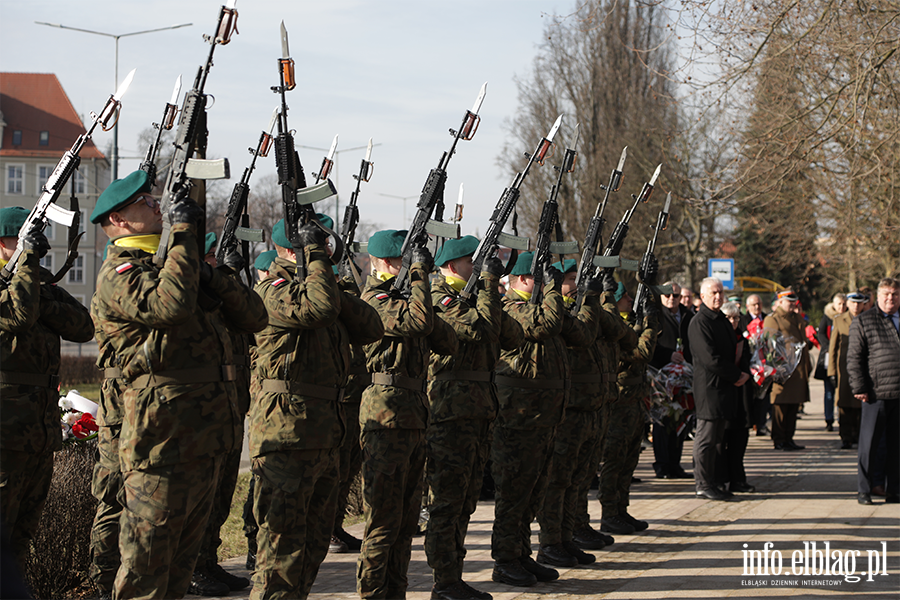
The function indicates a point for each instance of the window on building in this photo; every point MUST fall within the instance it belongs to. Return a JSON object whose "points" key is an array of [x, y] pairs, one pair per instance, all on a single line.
{"points": [[84, 218], [17, 137], [47, 261], [48, 230], [15, 178], [43, 174], [44, 140], [76, 273], [80, 182]]}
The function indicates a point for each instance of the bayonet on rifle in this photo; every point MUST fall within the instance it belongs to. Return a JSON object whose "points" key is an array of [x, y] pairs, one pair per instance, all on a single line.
{"points": [[351, 212], [167, 121], [662, 221], [327, 162]]}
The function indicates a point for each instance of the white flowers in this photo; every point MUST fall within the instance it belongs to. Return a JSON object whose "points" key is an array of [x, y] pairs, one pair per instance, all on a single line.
{"points": [[65, 404]]}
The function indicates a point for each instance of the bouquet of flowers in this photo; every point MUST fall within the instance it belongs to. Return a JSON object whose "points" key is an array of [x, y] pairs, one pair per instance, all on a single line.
{"points": [[76, 418], [773, 358], [671, 398]]}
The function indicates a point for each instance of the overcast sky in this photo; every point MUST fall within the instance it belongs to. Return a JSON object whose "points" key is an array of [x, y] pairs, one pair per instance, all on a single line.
{"points": [[402, 72]]}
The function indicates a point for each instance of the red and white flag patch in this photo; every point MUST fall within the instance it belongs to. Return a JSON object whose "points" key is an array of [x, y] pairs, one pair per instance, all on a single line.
{"points": [[381, 296], [279, 281], [446, 301], [124, 267]]}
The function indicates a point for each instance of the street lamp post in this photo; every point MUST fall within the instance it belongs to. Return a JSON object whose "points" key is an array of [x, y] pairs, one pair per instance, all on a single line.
{"points": [[115, 156], [404, 198], [337, 171]]}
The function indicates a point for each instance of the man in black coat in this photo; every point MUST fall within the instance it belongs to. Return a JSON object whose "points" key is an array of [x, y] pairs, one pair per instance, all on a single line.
{"points": [[671, 346], [873, 363], [760, 408], [717, 379]]}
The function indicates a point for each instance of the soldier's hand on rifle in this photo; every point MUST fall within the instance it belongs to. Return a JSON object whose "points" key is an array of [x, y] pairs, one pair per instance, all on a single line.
{"points": [[595, 286], [651, 270], [609, 281], [311, 234], [554, 276], [493, 266], [234, 261], [421, 254], [345, 271], [188, 212], [650, 307], [36, 241]]}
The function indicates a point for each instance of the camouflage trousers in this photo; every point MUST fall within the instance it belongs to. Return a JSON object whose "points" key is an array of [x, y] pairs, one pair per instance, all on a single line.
{"points": [[294, 496], [581, 517], [457, 452], [221, 507], [623, 423], [24, 484], [106, 486], [351, 460], [569, 463], [162, 526], [393, 464], [520, 459]]}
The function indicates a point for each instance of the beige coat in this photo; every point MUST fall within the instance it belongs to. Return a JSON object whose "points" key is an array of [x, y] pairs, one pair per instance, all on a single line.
{"points": [[837, 365], [796, 389]]}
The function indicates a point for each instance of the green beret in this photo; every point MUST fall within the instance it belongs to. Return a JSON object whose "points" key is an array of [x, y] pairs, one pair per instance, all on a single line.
{"points": [[119, 193], [453, 249], [11, 220], [210, 240], [620, 291], [386, 243], [523, 264], [334, 269], [280, 238], [264, 260], [567, 266]]}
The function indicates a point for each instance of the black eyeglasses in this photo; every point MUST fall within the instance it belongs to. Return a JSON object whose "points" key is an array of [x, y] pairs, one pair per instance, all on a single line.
{"points": [[149, 200]]}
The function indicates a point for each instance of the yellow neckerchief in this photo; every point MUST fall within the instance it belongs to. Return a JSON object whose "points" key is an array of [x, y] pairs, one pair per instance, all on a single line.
{"points": [[624, 315], [383, 276], [569, 302], [3, 262], [147, 243], [526, 296], [455, 282]]}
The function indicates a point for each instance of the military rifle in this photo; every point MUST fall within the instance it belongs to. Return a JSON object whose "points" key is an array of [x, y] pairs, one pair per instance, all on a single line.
{"points": [[433, 194], [191, 133], [351, 212], [46, 208], [167, 121], [549, 223], [296, 197], [593, 236], [237, 218], [505, 205], [662, 221]]}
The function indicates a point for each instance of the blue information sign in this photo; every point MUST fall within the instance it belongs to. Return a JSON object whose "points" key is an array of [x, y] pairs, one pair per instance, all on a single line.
{"points": [[723, 268]]}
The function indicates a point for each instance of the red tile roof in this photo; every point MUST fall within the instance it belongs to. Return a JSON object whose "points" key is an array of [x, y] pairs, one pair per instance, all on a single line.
{"points": [[35, 102]]}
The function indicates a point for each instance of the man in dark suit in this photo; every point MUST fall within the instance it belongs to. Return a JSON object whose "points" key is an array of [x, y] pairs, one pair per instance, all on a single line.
{"points": [[873, 363], [759, 407], [671, 346], [717, 379]]}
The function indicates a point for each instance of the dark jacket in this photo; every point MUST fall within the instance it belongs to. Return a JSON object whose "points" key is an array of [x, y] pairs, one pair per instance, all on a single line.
{"points": [[714, 346], [667, 342], [873, 356]]}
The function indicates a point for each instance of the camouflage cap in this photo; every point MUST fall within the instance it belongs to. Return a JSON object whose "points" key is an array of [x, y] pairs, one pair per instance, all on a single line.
{"points": [[119, 193], [210, 242], [453, 249], [523, 264], [386, 243], [280, 238], [264, 260], [567, 266], [11, 220]]}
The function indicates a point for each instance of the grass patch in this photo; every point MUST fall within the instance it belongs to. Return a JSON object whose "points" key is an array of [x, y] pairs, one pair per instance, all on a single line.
{"points": [[91, 391], [234, 542]]}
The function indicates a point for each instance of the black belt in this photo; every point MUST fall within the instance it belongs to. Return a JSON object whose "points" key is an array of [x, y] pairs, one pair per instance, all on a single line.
{"points": [[186, 376], [32, 379], [465, 376], [399, 381], [299, 388], [534, 384]]}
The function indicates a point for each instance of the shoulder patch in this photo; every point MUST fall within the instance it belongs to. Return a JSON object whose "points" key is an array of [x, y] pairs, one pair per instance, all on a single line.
{"points": [[124, 267], [279, 281], [446, 300], [519, 302], [382, 296]]}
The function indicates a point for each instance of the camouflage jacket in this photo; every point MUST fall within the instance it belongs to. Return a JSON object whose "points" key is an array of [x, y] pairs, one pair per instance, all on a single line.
{"points": [[33, 318], [304, 356], [411, 334], [359, 378], [632, 377], [112, 388], [482, 330], [615, 337], [541, 360], [179, 405]]}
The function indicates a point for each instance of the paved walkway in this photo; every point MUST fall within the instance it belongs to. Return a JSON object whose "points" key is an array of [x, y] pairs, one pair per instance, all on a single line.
{"points": [[694, 547]]}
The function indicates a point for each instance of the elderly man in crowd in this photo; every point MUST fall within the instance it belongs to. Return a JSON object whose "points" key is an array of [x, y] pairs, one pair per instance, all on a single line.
{"points": [[873, 362], [717, 378], [848, 405]]}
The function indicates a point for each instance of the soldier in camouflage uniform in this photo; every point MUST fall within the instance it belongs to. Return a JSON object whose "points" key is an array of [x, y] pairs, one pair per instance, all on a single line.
{"points": [[302, 365], [393, 414], [532, 384], [179, 415], [623, 420], [574, 456], [462, 407], [33, 317]]}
